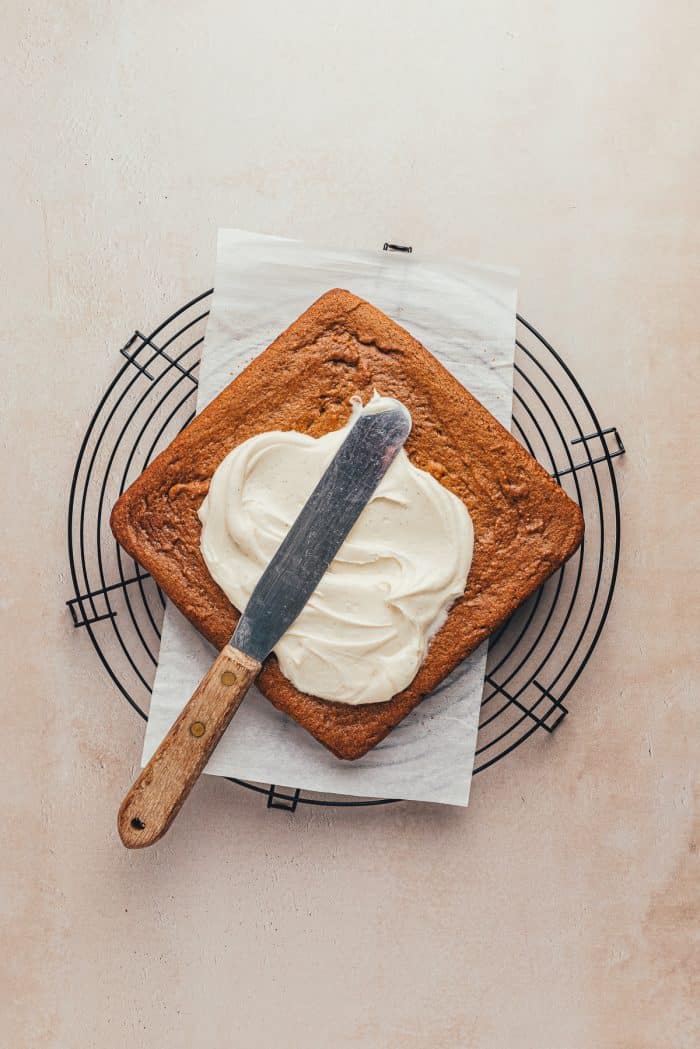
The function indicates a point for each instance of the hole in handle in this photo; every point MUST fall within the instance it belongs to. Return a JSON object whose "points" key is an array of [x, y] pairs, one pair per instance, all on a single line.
{"points": [[138, 824]]}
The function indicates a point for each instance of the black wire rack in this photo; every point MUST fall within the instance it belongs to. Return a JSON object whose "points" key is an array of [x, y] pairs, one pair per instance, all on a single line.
{"points": [[534, 660]]}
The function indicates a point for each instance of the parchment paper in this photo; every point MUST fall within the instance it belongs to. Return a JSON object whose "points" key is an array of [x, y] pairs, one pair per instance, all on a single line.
{"points": [[465, 315]]}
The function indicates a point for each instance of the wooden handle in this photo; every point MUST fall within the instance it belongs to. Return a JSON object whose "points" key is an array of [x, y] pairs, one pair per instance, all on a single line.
{"points": [[157, 795]]}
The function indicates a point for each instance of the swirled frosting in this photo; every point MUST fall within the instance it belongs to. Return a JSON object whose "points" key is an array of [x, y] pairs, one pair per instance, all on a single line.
{"points": [[365, 630]]}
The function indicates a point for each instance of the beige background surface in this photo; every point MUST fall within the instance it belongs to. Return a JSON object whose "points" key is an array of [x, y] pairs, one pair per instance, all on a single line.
{"points": [[559, 911]]}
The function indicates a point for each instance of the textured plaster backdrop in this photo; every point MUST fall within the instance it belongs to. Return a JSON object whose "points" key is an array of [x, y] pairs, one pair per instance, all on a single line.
{"points": [[559, 911]]}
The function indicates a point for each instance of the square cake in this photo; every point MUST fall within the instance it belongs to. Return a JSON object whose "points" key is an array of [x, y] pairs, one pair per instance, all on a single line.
{"points": [[525, 526]]}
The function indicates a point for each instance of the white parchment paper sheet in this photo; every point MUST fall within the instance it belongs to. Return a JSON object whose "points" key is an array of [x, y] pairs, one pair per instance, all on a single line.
{"points": [[465, 315]]}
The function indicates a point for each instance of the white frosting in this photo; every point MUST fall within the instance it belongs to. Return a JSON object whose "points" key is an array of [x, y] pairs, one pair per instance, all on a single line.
{"points": [[365, 631]]}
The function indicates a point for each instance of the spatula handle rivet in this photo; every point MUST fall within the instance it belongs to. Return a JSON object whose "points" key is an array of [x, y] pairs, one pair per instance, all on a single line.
{"points": [[228, 678], [197, 729]]}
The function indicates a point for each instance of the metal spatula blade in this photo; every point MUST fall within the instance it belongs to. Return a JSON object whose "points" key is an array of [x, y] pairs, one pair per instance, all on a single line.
{"points": [[320, 529]]}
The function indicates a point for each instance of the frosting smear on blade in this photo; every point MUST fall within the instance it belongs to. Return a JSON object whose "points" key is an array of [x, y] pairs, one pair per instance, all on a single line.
{"points": [[365, 630]]}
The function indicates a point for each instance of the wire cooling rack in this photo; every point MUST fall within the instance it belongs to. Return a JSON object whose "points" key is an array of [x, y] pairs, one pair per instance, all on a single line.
{"points": [[534, 660]]}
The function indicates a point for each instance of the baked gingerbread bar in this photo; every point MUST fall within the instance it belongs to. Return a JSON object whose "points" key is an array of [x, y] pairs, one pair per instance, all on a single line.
{"points": [[525, 526]]}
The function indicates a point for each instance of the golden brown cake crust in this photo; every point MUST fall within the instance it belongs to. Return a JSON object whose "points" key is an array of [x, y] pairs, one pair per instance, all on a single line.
{"points": [[525, 526]]}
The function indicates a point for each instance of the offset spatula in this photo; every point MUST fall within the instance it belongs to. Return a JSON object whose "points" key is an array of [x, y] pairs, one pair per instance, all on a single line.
{"points": [[282, 591]]}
